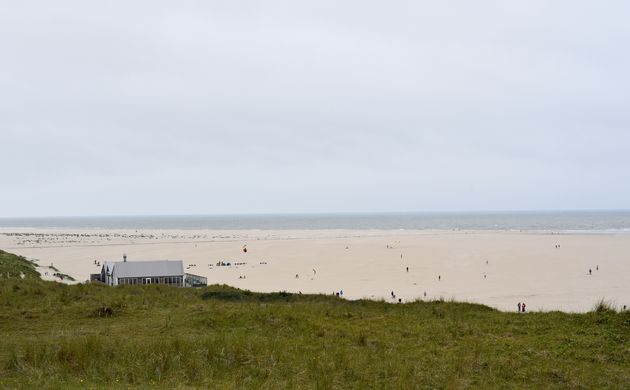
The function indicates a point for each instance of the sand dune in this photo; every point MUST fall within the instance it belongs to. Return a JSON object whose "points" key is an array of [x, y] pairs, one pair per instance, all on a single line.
{"points": [[521, 266]]}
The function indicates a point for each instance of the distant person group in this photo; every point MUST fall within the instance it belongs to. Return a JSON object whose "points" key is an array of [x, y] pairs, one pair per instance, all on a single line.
{"points": [[394, 297], [521, 307]]}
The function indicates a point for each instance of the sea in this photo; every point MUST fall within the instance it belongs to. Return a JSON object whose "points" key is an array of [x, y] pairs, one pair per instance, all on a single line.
{"points": [[561, 221]]}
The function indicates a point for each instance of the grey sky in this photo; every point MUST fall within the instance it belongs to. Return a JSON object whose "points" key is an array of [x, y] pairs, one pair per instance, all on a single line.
{"points": [[179, 107]]}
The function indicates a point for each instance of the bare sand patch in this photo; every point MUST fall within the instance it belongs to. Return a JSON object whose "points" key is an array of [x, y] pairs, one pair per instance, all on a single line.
{"points": [[494, 268]]}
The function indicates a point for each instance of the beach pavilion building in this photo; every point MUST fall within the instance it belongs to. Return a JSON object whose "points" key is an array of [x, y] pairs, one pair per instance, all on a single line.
{"points": [[169, 272]]}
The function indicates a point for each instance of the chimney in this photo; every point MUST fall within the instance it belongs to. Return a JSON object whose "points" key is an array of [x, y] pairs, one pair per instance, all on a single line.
{"points": [[124, 257]]}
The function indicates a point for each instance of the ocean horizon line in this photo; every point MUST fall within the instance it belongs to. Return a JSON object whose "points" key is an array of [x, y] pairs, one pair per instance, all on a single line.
{"points": [[328, 213], [562, 220]]}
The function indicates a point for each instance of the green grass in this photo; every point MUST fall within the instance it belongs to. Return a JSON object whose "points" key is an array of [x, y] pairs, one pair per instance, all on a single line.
{"points": [[12, 266], [64, 276], [54, 335]]}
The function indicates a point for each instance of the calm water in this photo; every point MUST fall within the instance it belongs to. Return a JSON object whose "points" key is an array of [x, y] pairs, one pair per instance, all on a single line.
{"points": [[558, 221]]}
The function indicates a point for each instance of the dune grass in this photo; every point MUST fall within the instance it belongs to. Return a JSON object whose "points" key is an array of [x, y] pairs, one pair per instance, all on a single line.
{"points": [[54, 335], [12, 266]]}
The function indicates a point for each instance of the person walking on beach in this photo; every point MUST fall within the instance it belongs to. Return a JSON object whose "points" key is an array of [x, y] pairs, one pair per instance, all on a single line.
{"points": [[407, 269], [590, 271], [519, 307], [439, 277], [523, 307]]}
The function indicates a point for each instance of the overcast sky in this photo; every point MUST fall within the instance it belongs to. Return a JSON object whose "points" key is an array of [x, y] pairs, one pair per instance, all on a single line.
{"points": [[187, 107]]}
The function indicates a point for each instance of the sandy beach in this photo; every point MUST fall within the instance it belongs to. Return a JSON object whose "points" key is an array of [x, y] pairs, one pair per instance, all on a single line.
{"points": [[498, 269]]}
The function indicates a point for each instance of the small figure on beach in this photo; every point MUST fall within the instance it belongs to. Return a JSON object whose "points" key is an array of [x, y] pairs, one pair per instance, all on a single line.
{"points": [[297, 276], [425, 293], [590, 271], [597, 267], [314, 272], [341, 292], [407, 269], [484, 275], [401, 255], [523, 307], [519, 307], [399, 300], [245, 248], [439, 277], [393, 295], [486, 262]]}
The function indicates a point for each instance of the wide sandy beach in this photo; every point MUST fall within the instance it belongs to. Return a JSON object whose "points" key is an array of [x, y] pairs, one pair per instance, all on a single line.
{"points": [[498, 269]]}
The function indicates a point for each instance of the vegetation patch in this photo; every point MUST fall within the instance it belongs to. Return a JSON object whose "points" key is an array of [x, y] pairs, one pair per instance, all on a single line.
{"points": [[14, 266], [89, 335], [64, 276], [603, 306]]}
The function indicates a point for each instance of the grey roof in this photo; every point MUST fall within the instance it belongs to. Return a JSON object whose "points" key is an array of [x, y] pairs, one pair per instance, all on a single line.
{"points": [[135, 269], [108, 265]]}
